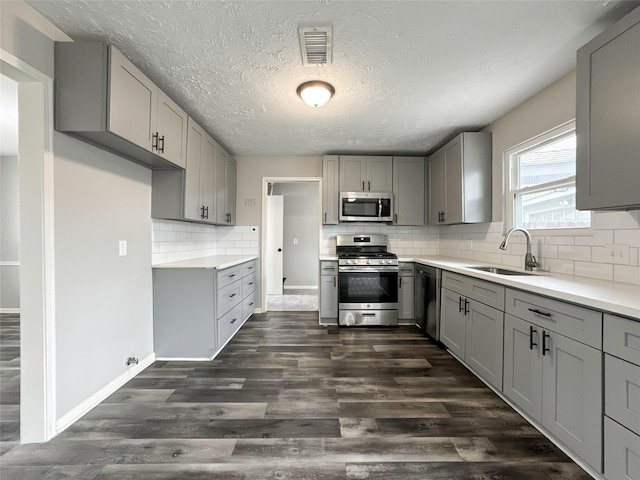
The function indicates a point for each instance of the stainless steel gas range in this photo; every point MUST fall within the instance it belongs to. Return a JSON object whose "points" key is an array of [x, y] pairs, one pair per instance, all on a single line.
{"points": [[367, 281]]}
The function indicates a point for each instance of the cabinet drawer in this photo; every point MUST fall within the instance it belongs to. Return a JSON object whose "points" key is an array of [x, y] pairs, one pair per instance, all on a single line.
{"points": [[622, 338], [454, 282], [228, 324], [328, 268], [621, 452], [248, 305], [406, 269], [489, 293], [228, 297], [622, 392], [578, 323], [248, 285], [228, 275], [248, 268]]}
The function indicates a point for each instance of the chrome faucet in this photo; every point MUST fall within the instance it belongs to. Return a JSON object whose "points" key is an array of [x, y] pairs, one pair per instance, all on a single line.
{"points": [[529, 260]]}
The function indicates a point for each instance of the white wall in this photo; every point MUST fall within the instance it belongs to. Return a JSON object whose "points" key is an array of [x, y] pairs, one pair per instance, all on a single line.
{"points": [[300, 260], [573, 254], [103, 301]]}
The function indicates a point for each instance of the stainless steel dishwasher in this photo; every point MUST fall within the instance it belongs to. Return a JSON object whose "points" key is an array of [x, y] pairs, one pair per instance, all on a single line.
{"points": [[428, 300]]}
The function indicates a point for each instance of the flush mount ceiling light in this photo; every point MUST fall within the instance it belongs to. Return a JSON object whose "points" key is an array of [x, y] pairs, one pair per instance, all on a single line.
{"points": [[315, 93]]}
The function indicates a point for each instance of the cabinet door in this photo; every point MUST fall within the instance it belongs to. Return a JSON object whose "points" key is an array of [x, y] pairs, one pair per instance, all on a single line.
{"points": [[483, 353], [192, 202], [406, 296], [220, 178], [132, 102], [454, 188], [353, 172], [523, 365], [621, 452], [172, 131], [572, 396], [328, 296], [207, 167], [379, 177], [436, 187], [453, 322], [330, 191], [230, 189], [408, 190], [608, 115]]}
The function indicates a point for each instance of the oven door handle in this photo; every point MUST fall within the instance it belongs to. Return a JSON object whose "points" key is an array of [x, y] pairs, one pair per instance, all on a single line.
{"points": [[371, 269]]}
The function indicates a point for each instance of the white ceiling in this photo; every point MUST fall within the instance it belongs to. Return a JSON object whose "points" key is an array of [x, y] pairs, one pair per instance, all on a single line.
{"points": [[407, 74]]}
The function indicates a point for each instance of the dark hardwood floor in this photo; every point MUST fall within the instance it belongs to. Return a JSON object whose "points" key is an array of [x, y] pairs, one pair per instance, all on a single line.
{"points": [[289, 399], [9, 381]]}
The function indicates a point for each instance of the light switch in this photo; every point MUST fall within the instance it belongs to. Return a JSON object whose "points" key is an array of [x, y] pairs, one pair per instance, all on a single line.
{"points": [[122, 248], [295, 241]]}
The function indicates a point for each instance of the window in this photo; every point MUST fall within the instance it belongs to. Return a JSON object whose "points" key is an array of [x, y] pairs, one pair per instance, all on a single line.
{"points": [[541, 190]]}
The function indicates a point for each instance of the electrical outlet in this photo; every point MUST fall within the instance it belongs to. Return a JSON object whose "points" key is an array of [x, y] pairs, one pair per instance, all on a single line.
{"points": [[617, 253], [295, 241], [122, 248]]}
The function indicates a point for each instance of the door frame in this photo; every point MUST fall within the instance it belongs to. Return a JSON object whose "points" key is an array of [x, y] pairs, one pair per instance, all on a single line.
{"points": [[37, 250], [265, 192]]}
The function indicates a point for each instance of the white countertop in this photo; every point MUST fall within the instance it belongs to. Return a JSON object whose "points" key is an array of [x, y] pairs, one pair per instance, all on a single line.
{"points": [[614, 297], [219, 262]]}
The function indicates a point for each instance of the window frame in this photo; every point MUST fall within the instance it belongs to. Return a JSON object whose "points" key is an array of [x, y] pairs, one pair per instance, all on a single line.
{"points": [[511, 176]]}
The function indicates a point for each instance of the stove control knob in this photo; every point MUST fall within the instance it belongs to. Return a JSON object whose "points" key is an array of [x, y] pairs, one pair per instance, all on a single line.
{"points": [[368, 261]]}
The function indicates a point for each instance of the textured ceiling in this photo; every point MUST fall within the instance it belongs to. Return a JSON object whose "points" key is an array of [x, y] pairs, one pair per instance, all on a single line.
{"points": [[407, 74]]}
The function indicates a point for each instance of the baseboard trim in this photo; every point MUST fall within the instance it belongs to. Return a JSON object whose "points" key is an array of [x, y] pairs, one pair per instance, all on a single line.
{"points": [[183, 359], [300, 287], [80, 410], [9, 310]]}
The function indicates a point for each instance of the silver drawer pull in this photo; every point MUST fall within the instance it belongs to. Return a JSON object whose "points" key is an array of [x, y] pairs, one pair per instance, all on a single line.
{"points": [[544, 314]]}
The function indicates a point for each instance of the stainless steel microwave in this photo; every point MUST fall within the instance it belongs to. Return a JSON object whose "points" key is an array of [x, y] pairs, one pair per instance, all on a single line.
{"points": [[366, 207]]}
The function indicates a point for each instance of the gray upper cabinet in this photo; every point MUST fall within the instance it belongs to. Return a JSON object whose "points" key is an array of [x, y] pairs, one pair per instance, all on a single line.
{"points": [[188, 194], [366, 173], [608, 118], [408, 190], [330, 190], [459, 180], [102, 98], [226, 172]]}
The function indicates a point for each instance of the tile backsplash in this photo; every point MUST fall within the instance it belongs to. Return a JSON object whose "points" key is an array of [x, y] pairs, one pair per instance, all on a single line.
{"points": [[173, 241], [608, 251]]}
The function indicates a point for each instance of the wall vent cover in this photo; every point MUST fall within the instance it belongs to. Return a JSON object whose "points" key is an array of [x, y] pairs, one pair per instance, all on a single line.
{"points": [[315, 43]]}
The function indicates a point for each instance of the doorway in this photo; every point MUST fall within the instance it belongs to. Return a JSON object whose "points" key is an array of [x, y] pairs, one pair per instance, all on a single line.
{"points": [[36, 248], [291, 243]]}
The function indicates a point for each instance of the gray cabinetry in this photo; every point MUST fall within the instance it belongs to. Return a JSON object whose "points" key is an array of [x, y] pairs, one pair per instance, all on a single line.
{"points": [[555, 379], [225, 187], [366, 173], [622, 398], [196, 311], [329, 291], [459, 180], [406, 291], [608, 118], [330, 192], [408, 190], [472, 324], [101, 97]]}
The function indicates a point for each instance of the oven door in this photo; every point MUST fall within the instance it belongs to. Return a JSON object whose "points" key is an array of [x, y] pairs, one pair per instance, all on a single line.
{"points": [[367, 288]]}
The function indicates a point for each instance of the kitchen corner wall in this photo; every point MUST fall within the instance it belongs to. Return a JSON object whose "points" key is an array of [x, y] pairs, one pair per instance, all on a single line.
{"points": [[174, 241], [587, 255]]}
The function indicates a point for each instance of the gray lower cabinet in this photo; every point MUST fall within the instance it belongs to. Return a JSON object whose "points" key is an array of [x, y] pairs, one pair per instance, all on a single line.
{"points": [[328, 291], [472, 324], [406, 291], [607, 118], [622, 398], [555, 379], [196, 311], [408, 190]]}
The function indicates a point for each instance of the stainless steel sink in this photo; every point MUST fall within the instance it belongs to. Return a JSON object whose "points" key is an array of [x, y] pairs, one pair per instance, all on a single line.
{"points": [[501, 271]]}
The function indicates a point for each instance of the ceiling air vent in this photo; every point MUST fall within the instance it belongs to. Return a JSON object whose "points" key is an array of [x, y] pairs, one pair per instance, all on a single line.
{"points": [[315, 43]]}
